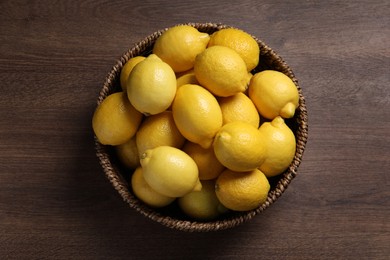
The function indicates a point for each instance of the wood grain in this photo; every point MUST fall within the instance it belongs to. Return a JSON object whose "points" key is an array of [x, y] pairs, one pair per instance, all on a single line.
{"points": [[55, 202]]}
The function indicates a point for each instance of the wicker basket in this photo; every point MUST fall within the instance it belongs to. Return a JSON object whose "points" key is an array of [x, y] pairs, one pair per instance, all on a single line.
{"points": [[171, 216]]}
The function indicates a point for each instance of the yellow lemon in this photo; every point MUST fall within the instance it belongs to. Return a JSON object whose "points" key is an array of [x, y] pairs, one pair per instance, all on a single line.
{"points": [[188, 78], [127, 68], [145, 193], [208, 165], [221, 70], [197, 114], [240, 146], [281, 146], [179, 45], [242, 191], [202, 205], [115, 121], [170, 171], [273, 94], [128, 153], [158, 130], [242, 42], [151, 86], [239, 107]]}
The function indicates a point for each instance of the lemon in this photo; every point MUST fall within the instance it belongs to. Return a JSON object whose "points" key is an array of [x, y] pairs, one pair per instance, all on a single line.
{"points": [[179, 45], [197, 114], [239, 107], [170, 171], [273, 94], [202, 205], [280, 141], [128, 153], [208, 165], [242, 42], [240, 146], [126, 70], [221, 70], [188, 78], [242, 191], [151, 86], [115, 121], [145, 193], [158, 130]]}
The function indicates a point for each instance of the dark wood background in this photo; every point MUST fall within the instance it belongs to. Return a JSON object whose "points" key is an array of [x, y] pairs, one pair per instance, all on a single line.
{"points": [[56, 203]]}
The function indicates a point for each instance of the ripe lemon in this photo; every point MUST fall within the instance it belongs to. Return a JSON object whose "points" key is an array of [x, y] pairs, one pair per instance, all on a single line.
{"points": [[170, 171], [240, 146], [197, 114], [179, 45], [144, 192], [128, 154], [151, 86], [273, 94], [126, 70], [221, 70], [242, 191], [208, 165], [158, 130], [239, 107], [242, 42], [280, 141], [115, 121], [203, 204], [188, 78]]}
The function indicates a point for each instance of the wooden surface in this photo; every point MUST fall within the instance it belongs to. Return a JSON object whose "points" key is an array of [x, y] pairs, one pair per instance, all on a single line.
{"points": [[56, 203]]}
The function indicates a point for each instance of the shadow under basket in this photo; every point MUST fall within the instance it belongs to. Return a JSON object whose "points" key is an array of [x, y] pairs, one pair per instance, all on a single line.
{"points": [[171, 216]]}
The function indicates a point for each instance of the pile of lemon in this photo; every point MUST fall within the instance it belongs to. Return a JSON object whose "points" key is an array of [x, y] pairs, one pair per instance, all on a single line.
{"points": [[187, 122]]}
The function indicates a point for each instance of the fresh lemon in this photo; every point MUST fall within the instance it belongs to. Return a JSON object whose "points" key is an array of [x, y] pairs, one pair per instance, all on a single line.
{"points": [[128, 154], [208, 165], [240, 146], [242, 42], [242, 191], [202, 205], [281, 145], [144, 192], [197, 114], [188, 78], [170, 171], [126, 70], [151, 86], [239, 107], [158, 130], [179, 45], [273, 94], [221, 70], [115, 121]]}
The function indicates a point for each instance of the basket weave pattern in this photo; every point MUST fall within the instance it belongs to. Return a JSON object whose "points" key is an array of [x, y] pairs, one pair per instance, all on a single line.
{"points": [[269, 59]]}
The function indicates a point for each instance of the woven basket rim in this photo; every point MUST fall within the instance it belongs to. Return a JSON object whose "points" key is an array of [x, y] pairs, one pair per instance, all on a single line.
{"points": [[113, 174]]}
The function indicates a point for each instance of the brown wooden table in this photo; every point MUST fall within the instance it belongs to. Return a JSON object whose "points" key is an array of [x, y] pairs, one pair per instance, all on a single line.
{"points": [[56, 203]]}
